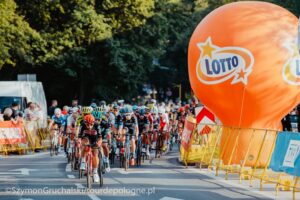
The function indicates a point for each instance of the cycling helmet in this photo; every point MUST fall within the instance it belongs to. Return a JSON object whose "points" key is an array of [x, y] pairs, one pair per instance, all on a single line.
{"points": [[102, 103], [87, 110], [174, 110], [93, 105], [161, 110], [89, 119], [181, 109], [142, 111], [99, 109], [57, 111], [147, 109], [135, 108], [74, 110], [154, 110], [66, 108], [127, 109], [97, 115], [120, 102], [116, 107], [122, 111], [168, 109], [153, 101]]}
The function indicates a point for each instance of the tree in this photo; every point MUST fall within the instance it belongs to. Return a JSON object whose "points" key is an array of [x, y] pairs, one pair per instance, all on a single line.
{"points": [[18, 41]]}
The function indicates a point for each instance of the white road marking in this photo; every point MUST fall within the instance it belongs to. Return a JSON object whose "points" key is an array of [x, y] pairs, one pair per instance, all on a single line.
{"points": [[134, 172], [80, 186], [25, 199], [94, 197], [10, 173], [68, 168], [169, 198], [24, 171], [71, 176], [228, 182]]}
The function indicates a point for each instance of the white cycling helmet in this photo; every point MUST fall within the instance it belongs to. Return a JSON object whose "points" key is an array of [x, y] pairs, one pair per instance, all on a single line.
{"points": [[161, 110], [74, 110], [57, 111], [154, 110]]}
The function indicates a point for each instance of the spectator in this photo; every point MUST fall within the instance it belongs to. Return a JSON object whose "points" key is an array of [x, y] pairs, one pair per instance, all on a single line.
{"points": [[169, 93], [52, 108], [1, 116], [32, 112], [75, 103], [7, 114], [16, 109]]}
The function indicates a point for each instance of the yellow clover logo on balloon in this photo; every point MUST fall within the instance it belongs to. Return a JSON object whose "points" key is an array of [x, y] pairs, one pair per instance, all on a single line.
{"points": [[219, 64], [291, 70]]}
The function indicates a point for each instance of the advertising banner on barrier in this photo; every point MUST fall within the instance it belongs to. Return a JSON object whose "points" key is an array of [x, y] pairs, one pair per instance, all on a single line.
{"points": [[189, 126], [11, 133], [204, 118], [286, 157]]}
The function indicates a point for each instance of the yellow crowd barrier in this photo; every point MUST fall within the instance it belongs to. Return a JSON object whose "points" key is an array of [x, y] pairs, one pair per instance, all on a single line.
{"points": [[35, 138], [217, 151]]}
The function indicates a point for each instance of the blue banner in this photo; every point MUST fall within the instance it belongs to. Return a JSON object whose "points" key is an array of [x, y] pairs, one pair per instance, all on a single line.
{"points": [[285, 157]]}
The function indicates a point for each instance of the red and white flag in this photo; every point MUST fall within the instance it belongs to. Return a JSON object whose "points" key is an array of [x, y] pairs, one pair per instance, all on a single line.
{"points": [[204, 118]]}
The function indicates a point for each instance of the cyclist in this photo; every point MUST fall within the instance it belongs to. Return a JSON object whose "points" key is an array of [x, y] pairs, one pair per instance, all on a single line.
{"points": [[105, 126], [135, 109], [129, 124], [163, 125], [97, 113], [90, 133], [87, 110], [143, 124], [71, 129], [65, 110], [154, 113], [115, 118], [60, 121]]}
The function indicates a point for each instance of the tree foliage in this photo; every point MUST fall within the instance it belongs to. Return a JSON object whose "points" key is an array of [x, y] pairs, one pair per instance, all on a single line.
{"points": [[102, 48]]}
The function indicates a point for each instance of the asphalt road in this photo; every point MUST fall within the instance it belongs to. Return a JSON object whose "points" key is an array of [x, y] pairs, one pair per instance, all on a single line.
{"points": [[40, 176]]}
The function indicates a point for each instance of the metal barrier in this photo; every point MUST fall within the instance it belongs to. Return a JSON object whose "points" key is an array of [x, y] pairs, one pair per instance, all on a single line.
{"points": [[36, 138], [218, 152]]}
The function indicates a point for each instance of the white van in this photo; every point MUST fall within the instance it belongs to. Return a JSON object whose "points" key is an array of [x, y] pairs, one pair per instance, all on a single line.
{"points": [[23, 92]]}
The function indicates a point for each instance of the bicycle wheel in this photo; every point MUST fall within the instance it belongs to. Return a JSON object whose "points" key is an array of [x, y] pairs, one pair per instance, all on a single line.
{"points": [[88, 172], [138, 157], [51, 150], [56, 149], [126, 160], [73, 161], [157, 150], [121, 160], [80, 170], [100, 168]]}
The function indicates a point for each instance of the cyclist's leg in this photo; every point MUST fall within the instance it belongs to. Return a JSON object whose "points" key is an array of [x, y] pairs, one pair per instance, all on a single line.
{"points": [[132, 142], [84, 141], [95, 158], [95, 161]]}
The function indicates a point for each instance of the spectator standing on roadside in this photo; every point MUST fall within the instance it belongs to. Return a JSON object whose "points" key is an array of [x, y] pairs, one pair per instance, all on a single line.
{"points": [[16, 109], [169, 94], [52, 108], [7, 114], [32, 112]]}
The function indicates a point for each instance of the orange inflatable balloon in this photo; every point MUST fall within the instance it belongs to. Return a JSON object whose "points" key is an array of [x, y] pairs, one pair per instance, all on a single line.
{"points": [[244, 66]]}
